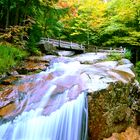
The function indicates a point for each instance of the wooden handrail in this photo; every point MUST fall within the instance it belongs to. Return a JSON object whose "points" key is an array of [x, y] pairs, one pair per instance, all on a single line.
{"points": [[62, 44], [74, 46]]}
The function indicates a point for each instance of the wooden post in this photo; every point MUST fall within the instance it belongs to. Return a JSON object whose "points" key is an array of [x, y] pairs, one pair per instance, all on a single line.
{"points": [[71, 45], [84, 48], [96, 50], [110, 51], [59, 43], [137, 55]]}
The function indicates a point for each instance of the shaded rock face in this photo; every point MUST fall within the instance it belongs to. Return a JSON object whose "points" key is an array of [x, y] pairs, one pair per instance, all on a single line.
{"points": [[47, 48], [110, 110]]}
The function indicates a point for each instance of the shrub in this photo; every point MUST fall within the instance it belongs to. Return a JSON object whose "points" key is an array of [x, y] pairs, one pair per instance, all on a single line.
{"points": [[114, 56], [34, 38], [9, 57], [128, 54], [137, 69]]}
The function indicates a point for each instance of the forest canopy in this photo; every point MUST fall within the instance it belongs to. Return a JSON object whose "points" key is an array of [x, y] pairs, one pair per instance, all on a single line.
{"points": [[111, 23], [103, 23]]}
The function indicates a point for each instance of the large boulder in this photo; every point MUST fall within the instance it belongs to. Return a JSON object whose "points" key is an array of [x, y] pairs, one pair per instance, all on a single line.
{"points": [[112, 99]]}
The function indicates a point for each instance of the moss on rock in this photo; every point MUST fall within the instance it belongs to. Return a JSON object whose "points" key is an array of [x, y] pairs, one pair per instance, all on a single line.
{"points": [[110, 110]]}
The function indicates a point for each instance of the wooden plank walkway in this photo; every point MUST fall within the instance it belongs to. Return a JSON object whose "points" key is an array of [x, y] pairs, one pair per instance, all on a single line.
{"points": [[63, 45]]}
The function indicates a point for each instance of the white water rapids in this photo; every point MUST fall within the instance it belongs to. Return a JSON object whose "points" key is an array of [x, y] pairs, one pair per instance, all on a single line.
{"points": [[67, 122]]}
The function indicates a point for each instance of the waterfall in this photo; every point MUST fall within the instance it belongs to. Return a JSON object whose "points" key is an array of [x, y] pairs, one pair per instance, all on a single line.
{"points": [[67, 122]]}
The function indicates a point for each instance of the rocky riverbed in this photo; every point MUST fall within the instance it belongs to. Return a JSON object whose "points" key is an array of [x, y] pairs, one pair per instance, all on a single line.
{"points": [[112, 91]]}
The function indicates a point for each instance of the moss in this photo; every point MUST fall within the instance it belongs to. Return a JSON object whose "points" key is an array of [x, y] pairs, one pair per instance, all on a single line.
{"points": [[110, 110]]}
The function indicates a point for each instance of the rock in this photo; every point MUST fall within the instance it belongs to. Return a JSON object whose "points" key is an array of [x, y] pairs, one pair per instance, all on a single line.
{"points": [[13, 73], [110, 110], [47, 48], [129, 134], [113, 92], [9, 80], [31, 66], [35, 64], [90, 58], [129, 66], [7, 100], [2, 76], [124, 61], [46, 58], [107, 65], [66, 53]]}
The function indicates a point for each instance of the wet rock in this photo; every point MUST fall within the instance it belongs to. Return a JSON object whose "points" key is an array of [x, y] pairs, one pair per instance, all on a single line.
{"points": [[63, 86], [106, 64], [6, 110], [61, 60], [32, 67], [125, 61], [35, 64], [129, 134], [8, 98], [13, 73], [111, 98], [66, 53], [46, 58], [113, 92], [90, 58], [9, 80]]}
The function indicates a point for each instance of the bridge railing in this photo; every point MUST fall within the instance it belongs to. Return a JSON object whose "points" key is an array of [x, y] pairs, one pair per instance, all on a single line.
{"points": [[91, 48], [76, 47], [62, 44]]}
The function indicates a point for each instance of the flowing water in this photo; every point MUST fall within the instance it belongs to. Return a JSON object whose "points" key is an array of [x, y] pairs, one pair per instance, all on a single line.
{"points": [[52, 106]]}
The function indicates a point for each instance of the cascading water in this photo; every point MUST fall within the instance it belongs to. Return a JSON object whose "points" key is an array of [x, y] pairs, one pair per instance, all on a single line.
{"points": [[54, 104]]}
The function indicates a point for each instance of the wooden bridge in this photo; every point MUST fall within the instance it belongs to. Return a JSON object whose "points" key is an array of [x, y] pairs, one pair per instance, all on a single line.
{"points": [[70, 46], [63, 45]]}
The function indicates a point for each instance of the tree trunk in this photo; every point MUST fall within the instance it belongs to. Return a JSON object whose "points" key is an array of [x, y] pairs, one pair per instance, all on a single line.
{"points": [[17, 14], [137, 54], [7, 14], [7, 18], [26, 6], [45, 25]]}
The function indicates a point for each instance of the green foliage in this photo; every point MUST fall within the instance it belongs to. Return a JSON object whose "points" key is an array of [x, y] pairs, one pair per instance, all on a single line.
{"points": [[114, 57], [34, 37], [110, 24], [128, 54], [14, 12], [114, 23], [48, 18], [9, 57], [137, 69]]}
